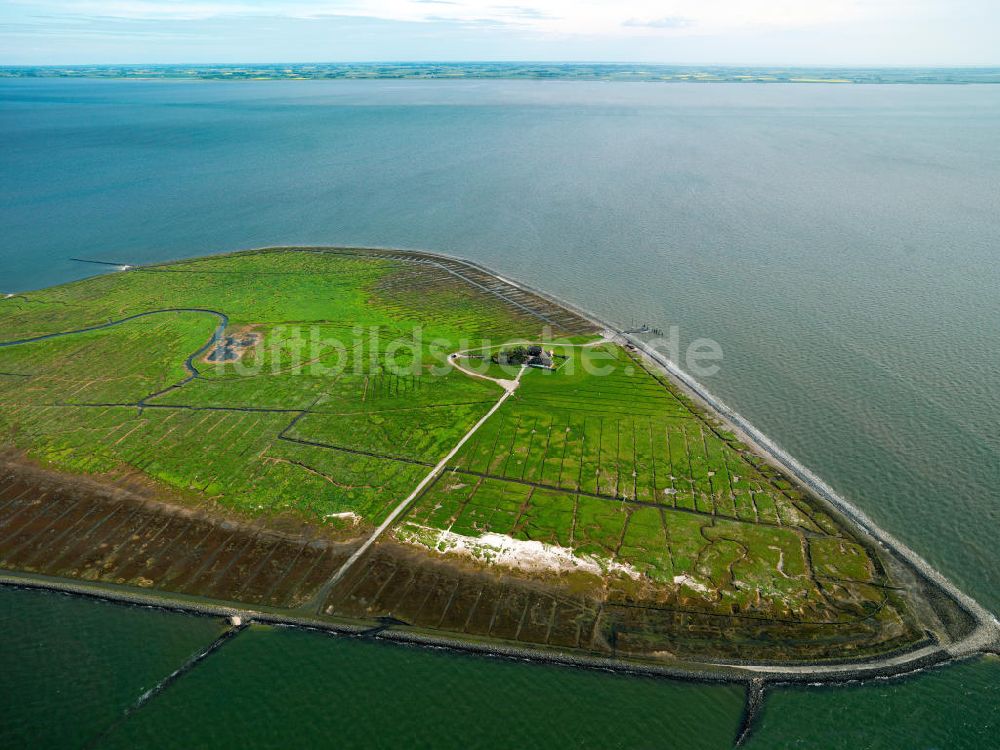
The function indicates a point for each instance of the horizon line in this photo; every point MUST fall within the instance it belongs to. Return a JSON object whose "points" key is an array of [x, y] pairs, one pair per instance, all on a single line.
{"points": [[816, 66]]}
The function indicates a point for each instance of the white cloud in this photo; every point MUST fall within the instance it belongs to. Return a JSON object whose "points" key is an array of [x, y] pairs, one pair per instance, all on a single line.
{"points": [[591, 17], [617, 16], [800, 32]]}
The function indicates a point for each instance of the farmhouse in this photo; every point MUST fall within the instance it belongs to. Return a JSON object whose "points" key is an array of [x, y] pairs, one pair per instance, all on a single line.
{"points": [[531, 356]]}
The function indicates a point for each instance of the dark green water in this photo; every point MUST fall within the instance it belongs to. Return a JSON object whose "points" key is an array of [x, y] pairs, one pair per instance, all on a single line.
{"points": [[839, 242], [70, 667]]}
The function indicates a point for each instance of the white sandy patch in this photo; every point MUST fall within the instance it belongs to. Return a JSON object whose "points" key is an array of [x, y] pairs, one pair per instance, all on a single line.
{"points": [[503, 550], [690, 582], [781, 559], [347, 515]]}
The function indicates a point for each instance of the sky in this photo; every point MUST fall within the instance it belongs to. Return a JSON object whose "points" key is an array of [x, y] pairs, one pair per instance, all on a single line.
{"points": [[697, 32]]}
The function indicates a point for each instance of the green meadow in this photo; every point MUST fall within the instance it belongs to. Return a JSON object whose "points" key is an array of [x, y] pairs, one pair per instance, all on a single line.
{"points": [[336, 399]]}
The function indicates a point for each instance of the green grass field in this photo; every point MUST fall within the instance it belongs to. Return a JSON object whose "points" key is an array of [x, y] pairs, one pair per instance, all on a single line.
{"points": [[619, 467], [345, 401]]}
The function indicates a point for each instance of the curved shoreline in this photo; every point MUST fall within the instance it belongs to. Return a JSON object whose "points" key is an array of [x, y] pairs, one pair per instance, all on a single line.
{"points": [[984, 637], [704, 672]]}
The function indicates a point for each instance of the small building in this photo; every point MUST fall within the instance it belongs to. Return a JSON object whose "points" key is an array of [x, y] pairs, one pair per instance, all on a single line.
{"points": [[531, 356], [538, 357]]}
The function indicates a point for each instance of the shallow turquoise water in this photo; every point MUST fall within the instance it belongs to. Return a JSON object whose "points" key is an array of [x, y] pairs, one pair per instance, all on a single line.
{"points": [[839, 242]]}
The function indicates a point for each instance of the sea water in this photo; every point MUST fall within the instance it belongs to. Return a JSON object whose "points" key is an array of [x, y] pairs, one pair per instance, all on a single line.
{"points": [[839, 242]]}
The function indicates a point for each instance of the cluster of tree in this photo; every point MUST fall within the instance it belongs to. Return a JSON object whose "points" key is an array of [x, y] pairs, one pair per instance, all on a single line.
{"points": [[519, 355]]}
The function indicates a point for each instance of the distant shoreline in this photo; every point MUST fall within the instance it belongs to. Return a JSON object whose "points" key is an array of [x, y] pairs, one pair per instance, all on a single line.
{"points": [[532, 71]]}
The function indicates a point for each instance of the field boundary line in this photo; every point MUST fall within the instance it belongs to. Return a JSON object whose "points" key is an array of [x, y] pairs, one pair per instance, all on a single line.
{"points": [[509, 387]]}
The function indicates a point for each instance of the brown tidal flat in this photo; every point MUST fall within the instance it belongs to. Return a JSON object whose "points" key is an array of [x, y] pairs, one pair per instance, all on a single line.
{"points": [[121, 532], [398, 582], [411, 586]]}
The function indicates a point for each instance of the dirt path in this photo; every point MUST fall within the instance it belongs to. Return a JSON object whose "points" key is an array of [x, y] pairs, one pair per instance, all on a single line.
{"points": [[509, 387], [455, 361]]}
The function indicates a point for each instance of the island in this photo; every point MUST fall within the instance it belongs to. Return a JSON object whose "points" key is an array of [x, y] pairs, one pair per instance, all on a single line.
{"points": [[409, 445]]}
